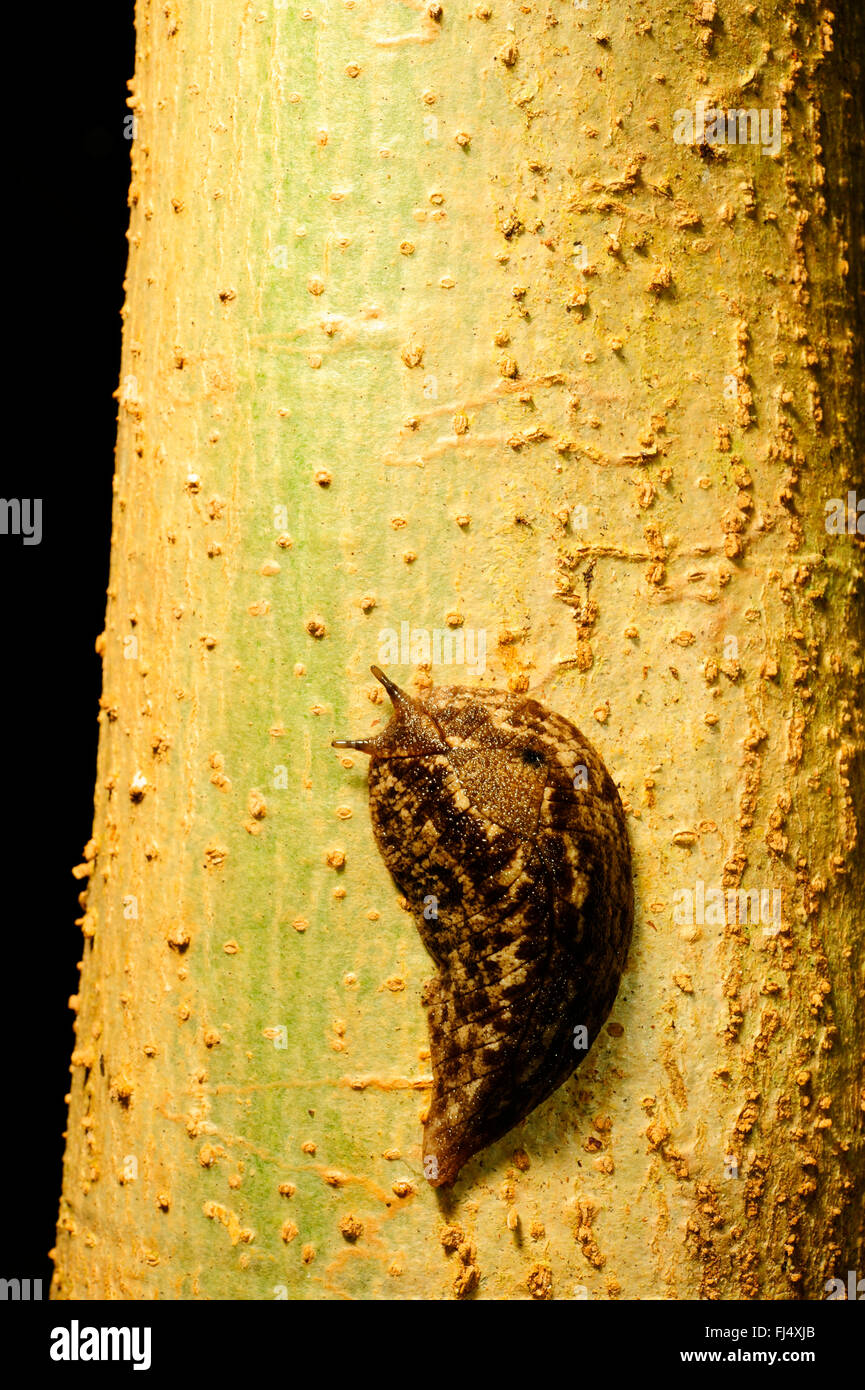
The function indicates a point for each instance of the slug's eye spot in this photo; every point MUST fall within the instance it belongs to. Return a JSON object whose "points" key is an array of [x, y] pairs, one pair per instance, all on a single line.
{"points": [[532, 758]]}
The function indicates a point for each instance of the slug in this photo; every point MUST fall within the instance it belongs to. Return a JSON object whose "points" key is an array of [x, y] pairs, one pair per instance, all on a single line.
{"points": [[503, 829]]}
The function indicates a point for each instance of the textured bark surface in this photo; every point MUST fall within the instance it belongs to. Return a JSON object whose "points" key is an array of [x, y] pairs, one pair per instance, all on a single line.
{"points": [[433, 321]]}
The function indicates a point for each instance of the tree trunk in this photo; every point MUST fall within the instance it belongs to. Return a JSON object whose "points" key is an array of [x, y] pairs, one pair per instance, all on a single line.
{"points": [[471, 323]]}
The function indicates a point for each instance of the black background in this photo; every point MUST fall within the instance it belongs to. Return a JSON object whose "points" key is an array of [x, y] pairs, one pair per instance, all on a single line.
{"points": [[66, 185]]}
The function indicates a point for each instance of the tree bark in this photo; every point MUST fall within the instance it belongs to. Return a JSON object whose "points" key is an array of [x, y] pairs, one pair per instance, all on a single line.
{"points": [[454, 321]]}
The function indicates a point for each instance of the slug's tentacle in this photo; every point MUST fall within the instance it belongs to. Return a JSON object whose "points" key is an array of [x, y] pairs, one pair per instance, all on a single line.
{"points": [[411, 732]]}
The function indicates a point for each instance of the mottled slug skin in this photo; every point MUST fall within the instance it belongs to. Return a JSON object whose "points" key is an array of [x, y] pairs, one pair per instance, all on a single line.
{"points": [[526, 881]]}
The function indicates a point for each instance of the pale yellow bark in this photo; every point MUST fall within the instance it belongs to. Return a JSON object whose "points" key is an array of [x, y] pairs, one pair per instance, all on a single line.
{"points": [[433, 321]]}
